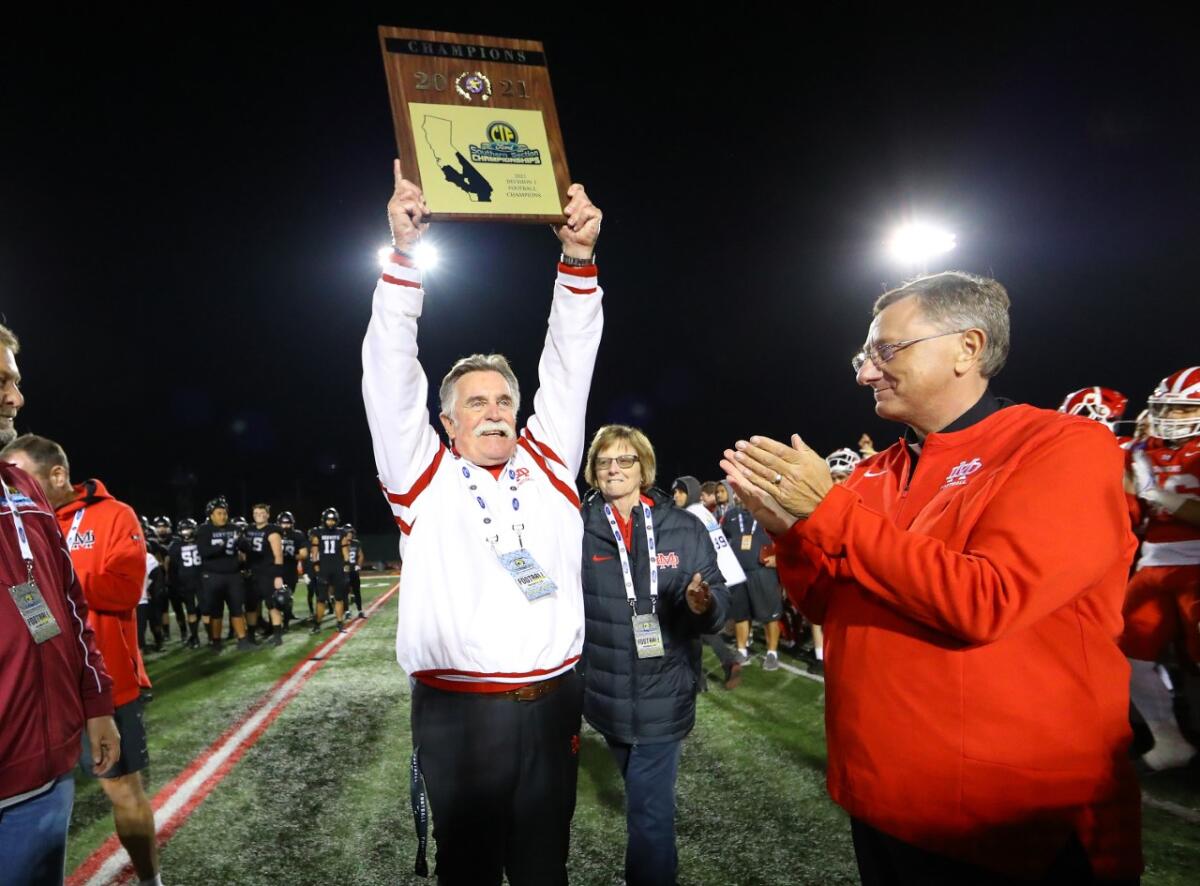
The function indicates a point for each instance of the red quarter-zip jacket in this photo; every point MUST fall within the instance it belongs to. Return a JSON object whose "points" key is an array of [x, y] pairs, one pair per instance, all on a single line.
{"points": [[109, 554], [47, 691], [976, 700]]}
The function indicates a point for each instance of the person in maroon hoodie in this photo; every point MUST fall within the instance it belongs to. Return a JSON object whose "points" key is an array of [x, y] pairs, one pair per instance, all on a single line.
{"points": [[53, 684]]}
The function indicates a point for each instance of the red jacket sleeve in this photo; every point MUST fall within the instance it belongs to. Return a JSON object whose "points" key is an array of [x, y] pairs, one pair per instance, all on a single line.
{"points": [[117, 585], [805, 573], [1049, 533]]}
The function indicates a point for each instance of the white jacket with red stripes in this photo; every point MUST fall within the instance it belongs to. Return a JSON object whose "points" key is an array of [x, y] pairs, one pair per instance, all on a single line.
{"points": [[463, 622]]}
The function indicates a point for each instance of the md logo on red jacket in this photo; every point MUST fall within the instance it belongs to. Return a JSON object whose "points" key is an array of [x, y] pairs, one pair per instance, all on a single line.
{"points": [[960, 472]]}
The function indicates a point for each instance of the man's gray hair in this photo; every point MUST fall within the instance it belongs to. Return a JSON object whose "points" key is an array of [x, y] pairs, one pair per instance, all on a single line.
{"points": [[955, 300], [478, 363]]}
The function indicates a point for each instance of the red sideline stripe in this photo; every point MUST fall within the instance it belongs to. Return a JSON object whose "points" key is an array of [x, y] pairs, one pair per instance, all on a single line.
{"points": [[406, 499], [93, 862], [388, 278], [543, 448], [558, 484]]}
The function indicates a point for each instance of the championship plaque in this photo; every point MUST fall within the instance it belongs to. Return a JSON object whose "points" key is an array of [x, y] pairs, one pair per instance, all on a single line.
{"points": [[476, 125]]}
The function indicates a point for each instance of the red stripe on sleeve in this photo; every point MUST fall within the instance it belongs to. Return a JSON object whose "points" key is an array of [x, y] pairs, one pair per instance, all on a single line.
{"points": [[388, 278], [558, 484], [588, 271], [579, 291], [543, 448], [406, 499]]}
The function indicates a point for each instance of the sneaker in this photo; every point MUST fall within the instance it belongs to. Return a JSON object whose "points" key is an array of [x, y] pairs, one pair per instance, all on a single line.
{"points": [[816, 667], [741, 656], [1169, 753], [733, 675], [341, 627], [246, 644], [217, 646], [315, 629], [193, 642], [276, 640], [362, 614], [771, 662]]}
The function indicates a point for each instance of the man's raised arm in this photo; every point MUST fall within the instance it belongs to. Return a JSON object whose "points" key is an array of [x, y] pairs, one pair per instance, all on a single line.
{"points": [[556, 427], [395, 389]]}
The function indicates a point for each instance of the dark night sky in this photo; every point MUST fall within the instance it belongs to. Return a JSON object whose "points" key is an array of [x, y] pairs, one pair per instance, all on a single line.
{"points": [[189, 216]]}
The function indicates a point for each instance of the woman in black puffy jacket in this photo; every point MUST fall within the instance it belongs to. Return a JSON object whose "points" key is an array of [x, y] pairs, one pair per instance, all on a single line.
{"points": [[651, 587]]}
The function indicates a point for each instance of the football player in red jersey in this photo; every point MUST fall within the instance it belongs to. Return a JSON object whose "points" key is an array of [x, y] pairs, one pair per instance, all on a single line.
{"points": [[1104, 405], [1163, 601]]}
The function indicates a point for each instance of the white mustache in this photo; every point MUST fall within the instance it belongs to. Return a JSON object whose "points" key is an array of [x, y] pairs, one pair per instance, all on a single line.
{"points": [[504, 427]]}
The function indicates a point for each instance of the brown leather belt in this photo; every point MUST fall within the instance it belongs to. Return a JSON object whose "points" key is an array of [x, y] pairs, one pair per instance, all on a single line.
{"points": [[532, 692]]}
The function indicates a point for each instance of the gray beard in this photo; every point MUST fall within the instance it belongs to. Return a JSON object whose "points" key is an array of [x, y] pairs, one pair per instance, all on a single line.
{"points": [[7, 436]]}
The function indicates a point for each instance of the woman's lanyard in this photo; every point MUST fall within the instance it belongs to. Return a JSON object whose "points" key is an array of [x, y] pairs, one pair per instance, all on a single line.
{"points": [[626, 570]]}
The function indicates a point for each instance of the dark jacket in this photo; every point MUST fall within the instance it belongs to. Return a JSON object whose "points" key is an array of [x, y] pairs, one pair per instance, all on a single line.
{"points": [[47, 691], [648, 700]]}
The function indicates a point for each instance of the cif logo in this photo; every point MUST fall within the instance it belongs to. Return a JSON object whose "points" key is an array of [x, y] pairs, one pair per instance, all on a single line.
{"points": [[959, 473], [500, 132]]}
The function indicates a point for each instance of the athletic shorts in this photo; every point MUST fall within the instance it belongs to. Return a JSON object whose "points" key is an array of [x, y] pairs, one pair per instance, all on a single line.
{"points": [[758, 598], [186, 589], [221, 588], [1162, 604], [135, 756], [337, 581], [264, 588]]}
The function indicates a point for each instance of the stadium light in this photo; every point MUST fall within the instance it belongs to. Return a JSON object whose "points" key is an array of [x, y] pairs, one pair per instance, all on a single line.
{"points": [[425, 254], [916, 242]]}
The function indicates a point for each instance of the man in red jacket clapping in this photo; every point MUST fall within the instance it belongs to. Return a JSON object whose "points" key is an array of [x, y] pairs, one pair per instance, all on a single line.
{"points": [[969, 579]]}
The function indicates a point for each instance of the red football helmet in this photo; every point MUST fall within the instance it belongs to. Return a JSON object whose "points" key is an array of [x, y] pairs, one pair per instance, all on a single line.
{"points": [[1099, 404], [1175, 391]]}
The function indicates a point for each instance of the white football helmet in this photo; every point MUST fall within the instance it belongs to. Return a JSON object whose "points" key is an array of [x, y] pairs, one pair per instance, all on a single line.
{"points": [[1180, 389], [842, 461]]}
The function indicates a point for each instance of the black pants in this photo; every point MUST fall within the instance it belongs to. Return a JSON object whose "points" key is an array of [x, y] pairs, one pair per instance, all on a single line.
{"points": [[500, 775], [886, 861]]}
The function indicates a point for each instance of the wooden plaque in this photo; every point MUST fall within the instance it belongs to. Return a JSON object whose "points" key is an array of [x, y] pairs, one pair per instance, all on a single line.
{"points": [[476, 125]]}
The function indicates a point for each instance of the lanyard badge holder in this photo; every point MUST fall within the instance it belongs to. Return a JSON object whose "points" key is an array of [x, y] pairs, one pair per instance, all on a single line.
{"points": [[747, 540], [28, 596], [647, 632], [521, 566]]}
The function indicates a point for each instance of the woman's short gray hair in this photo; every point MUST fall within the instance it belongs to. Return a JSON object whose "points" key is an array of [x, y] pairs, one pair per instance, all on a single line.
{"points": [[957, 300], [447, 393]]}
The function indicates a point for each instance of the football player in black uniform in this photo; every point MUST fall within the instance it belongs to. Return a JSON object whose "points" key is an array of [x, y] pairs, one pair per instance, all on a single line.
{"points": [[164, 536], [317, 589], [183, 578], [354, 558], [330, 551], [221, 578], [262, 544], [295, 550]]}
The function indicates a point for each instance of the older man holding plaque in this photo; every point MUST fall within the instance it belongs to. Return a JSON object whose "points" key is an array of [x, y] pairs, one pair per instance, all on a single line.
{"points": [[970, 580], [491, 611]]}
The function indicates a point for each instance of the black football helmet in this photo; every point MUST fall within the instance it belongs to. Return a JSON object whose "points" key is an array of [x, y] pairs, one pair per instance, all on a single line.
{"points": [[329, 514], [285, 518], [218, 502], [187, 527]]}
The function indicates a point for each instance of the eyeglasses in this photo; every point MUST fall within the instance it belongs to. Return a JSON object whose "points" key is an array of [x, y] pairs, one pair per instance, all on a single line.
{"points": [[880, 354], [625, 461]]}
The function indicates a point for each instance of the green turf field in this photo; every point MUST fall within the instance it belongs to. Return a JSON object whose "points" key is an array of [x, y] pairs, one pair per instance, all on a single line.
{"points": [[323, 796]]}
